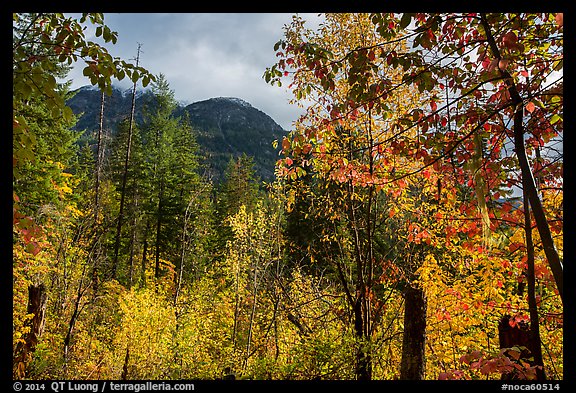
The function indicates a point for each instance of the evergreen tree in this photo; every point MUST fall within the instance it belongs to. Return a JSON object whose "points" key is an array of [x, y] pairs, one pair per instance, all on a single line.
{"points": [[174, 189], [239, 188]]}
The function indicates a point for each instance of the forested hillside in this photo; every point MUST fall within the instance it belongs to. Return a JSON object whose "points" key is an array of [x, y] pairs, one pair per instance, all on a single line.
{"points": [[413, 228], [224, 127]]}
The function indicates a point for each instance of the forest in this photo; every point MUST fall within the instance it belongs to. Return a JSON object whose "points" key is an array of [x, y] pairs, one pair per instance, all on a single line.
{"points": [[413, 230]]}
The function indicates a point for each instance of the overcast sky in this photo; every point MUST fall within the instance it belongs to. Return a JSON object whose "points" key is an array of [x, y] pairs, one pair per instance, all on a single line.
{"points": [[205, 55]]}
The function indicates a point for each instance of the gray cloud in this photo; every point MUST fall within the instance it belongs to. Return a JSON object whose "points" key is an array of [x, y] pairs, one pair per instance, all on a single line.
{"points": [[207, 55]]}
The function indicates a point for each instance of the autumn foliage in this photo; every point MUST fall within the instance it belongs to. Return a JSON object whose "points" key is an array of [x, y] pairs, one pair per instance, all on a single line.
{"points": [[414, 229]]}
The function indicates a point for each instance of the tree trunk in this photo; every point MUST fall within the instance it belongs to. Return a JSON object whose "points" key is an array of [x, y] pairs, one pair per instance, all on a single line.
{"points": [[132, 245], [363, 358], [23, 353], [99, 159], [144, 255], [528, 181], [511, 336], [75, 315], [158, 228], [124, 178], [413, 363], [532, 305], [124, 376], [252, 315]]}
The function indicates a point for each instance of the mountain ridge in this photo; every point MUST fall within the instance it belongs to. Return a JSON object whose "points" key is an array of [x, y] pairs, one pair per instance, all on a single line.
{"points": [[224, 127]]}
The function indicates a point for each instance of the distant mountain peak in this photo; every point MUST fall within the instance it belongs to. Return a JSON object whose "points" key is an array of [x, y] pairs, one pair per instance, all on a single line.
{"points": [[225, 127], [235, 100], [124, 92], [89, 88]]}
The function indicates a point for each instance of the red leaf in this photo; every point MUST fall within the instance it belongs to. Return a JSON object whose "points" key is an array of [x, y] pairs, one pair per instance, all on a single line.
{"points": [[530, 107], [514, 354], [433, 106], [371, 55], [334, 113], [33, 248], [515, 246], [509, 39], [492, 65]]}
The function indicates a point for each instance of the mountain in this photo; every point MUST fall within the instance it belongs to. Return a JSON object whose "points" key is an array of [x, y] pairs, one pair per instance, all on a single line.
{"points": [[229, 126], [224, 127], [86, 102]]}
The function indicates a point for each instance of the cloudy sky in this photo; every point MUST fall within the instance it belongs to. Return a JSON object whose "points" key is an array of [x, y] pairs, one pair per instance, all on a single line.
{"points": [[205, 55]]}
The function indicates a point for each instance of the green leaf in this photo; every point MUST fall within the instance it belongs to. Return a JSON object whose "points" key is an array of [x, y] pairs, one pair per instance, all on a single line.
{"points": [[106, 34], [405, 21], [25, 90], [134, 77], [26, 154], [555, 119], [67, 113]]}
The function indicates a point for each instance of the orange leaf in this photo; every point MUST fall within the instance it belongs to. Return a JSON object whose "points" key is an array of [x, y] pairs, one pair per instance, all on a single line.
{"points": [[560, 19], [514, 354]]}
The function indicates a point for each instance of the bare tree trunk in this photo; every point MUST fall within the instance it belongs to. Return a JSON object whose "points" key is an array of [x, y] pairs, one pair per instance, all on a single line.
{"points": [[124, 375], [125, 177], [252, 314], [184, 244], [236, 308], [536, 348], [75, 315], [99, 156], [144, 254], [158, 228], [527, 177], [363, 357], [23, 353], [413, 363], [132, 246]]}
